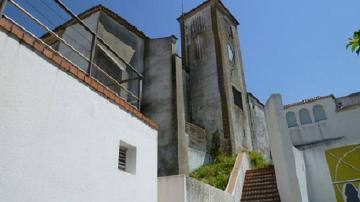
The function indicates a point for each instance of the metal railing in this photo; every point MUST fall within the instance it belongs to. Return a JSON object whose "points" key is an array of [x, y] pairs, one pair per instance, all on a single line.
{"points": [[124, 92]]}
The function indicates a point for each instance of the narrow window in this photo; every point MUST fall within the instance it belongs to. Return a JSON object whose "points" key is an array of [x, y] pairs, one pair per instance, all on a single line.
{"points": [[305, 117], [122, 158], [237, 98], [230, 53], [319, 113], [291, 119]]}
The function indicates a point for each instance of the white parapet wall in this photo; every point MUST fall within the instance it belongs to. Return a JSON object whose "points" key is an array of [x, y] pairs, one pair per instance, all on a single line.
{"points": [[288, 173], [59, 140], [237, 178], [179, 188]]}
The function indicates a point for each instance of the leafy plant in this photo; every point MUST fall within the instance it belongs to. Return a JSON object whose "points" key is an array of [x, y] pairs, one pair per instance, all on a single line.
{"points": [[217, 173], [258, 160], [354, 43]]}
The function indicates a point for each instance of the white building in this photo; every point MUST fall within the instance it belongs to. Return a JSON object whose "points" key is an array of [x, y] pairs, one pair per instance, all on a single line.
{"points": [[63, 135], [324, 119], [315, 146]]}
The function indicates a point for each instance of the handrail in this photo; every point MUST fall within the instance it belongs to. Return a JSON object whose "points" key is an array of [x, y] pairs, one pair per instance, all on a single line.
{"points": [[62, 5], [119, 83]]}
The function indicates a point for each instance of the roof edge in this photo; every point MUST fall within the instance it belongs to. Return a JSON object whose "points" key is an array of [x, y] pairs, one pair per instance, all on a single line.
{"points": [[204, 5], [309, 100], [91, 11]]}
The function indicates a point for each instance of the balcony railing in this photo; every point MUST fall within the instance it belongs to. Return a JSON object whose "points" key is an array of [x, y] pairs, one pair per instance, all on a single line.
{"points": [[120, 87]]}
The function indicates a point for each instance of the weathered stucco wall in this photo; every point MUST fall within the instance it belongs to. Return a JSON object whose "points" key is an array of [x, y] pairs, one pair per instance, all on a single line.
{"points": [[213, 60], [60, 140], [200, 61], [159, 101], [232, 75], [260, 136]]}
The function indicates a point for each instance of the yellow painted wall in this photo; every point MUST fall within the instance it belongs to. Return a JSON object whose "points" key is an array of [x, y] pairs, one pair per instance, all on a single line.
{"points": [[344, 165]]}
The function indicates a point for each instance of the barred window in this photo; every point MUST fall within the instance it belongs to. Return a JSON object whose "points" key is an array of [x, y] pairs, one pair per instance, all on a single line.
{"points": [[127, 158], [122, 158]]}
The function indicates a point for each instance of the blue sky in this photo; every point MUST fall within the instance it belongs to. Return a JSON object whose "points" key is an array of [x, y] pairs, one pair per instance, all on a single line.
{"points": [[296, 48]]}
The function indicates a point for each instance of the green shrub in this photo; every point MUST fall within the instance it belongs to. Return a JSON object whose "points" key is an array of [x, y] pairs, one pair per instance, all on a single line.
{"points": [[216, 173], [257, 159]]}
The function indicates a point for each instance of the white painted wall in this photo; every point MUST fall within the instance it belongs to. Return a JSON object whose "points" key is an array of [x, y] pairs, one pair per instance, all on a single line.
{"points": [[343, 123], [172, 188], [59, 140], [180, 188], [310, 166], [282, 152], [301, 173]]}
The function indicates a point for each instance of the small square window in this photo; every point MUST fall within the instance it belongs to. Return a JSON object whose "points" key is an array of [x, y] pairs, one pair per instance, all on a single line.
{"points": [[127, 158]]}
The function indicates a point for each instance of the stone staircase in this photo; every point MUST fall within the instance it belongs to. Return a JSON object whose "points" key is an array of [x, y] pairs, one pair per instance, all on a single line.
{"points": [[260, 186]]}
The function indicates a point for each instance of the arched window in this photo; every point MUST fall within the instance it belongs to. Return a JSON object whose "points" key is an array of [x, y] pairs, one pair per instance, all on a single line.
{"points": [[291, 119], [319, 113], [305, 117]]}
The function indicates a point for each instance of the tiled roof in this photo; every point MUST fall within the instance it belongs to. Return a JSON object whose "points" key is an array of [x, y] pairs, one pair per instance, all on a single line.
{"points": [[305, 101], [205, 4], [66, 66], [260, 185]]}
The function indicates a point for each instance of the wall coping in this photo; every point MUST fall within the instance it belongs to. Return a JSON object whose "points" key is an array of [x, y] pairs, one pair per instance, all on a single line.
{"points": [[234, 173]]}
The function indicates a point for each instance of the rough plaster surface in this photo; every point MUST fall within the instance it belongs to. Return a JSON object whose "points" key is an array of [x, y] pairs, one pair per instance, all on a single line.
{"points": [[211, 78], [205, 101], [233, 76], [59, 139], [260, 134], [159, 102]]}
